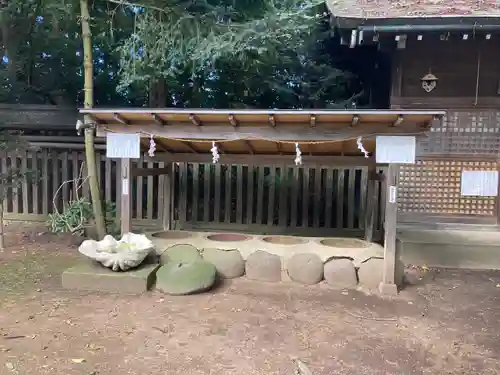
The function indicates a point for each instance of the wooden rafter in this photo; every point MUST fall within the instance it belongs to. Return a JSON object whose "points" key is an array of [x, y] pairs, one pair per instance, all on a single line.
{"points": [[398, 121], [232, 120], [158, 120], [195, 120], [120, 119], [355, 120]]}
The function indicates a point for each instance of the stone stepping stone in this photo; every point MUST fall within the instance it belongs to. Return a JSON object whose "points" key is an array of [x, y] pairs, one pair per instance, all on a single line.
{"points": [[340, 273], [263, 266], [182, 253], [229, 263], [179, 279], [305, 268]]}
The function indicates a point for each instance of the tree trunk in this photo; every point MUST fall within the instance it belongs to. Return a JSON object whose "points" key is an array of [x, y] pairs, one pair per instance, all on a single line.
{"points": [[2, 237], [89, 132]]}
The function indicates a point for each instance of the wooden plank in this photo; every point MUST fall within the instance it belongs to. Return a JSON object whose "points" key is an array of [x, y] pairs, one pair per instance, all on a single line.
{"points": [[196, 192], [45, 182], [362, 197], [305, 197], [15, 188], [294, 197], [150, 198], [65, 177], [217, 192], [250, 194], [161, 193], [107, 179], [260, 194], [7, 194], [318, 205], [35, 186], [239, 195], [329, 198], [56, 181], [206, 191], [167, 198], [283, 197], [388, 285], [76, 175], [271, 195], [139, 193], [228, 194], [126, 196], [351, 198], [24, 183], [340, 198], [371, 204], [183, 184]]}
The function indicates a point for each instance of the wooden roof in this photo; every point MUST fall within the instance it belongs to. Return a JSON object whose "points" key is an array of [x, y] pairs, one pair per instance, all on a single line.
{"points": [[380, 9], [264, 132]]}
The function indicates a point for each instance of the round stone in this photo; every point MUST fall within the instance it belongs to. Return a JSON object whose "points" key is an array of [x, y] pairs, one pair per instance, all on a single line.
{"points": [[181, 253], [263, 266], [340, 273], [185, 278], [229, 263], [370, 273], [305, 268]]}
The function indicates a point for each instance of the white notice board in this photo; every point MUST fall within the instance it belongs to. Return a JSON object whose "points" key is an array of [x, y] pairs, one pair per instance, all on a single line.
{"points": [[479, 184], [395, 149], [123, 146]]}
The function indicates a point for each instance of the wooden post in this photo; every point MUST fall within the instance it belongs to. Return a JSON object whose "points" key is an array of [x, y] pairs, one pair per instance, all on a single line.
{"points": [[167, 199], [371, 202], [388, 285], [126, 200]]}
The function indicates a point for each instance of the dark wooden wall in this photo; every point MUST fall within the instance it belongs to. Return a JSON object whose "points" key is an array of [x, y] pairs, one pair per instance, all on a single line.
{"points": [[464, 68]]}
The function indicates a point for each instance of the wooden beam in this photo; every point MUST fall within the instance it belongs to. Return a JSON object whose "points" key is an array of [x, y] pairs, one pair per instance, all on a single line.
{"points": [[149, 171], [126, 196], [314, 160], [158, 120], [398, 121], [120, 119], [233, 121], [272, 121], [167, 198], [291, 133], [195, 120], [355, 120], [388, 285]]}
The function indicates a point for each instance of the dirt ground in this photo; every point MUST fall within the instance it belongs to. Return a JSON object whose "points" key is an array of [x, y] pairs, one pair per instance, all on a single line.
{"points": [[445, 324]]}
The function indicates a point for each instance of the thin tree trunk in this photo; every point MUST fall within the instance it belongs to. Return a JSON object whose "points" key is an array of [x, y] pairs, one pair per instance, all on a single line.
{"points": [[89, 132], [2, 237]]}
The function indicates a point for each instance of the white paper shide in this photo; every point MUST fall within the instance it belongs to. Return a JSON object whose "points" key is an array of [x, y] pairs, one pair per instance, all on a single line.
{"points": [[124, 254]]}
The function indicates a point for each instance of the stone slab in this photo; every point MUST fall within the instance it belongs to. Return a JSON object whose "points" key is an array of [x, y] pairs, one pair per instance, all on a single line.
{"points": [[89, 276]]}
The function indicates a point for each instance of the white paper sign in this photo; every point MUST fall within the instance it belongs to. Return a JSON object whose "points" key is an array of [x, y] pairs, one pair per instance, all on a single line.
{"points": [[479, 183], [393, 194], [125, 186], [395, 149], [123, 146]]}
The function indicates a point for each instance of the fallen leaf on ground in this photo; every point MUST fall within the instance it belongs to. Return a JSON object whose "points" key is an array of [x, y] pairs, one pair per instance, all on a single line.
{"points": [[78, 360]]}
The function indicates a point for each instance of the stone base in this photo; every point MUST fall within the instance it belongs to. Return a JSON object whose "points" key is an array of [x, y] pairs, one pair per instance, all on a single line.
{"points": [[94, 277], [388, 289]]}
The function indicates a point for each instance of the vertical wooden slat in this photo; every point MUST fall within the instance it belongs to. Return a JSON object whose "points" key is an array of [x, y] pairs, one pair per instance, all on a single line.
{"points": [[340, 198], [318, 203], [45, 182], [167, 197], [196, 192], [183, 183], [250, 193], [329, 197], [35, 183], [294, 198], [150, 198], [305, 197], [56, 181], [76, 174], [351, 201], [15, 188], [363, 201], [139, 194], [382, 192], [206, 192], [65, 177], [371, 202], [272, 193], [161, 193], [239, 195], [24, 169], [260, 195], [217, 192], [107, 180], [126, 196], [283, 197], [227, 206]]}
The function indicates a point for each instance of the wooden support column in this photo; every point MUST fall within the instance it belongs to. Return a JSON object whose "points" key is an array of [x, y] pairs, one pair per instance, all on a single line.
{"points": [[126, 196], [167, 198], [388, 285], [371, 201]]}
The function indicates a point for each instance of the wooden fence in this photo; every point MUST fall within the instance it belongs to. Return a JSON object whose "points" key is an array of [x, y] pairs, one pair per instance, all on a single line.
{"points": [[263, 199]]}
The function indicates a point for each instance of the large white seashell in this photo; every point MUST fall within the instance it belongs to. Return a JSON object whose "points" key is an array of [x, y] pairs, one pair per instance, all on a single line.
{"points": [[129, 252]]}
